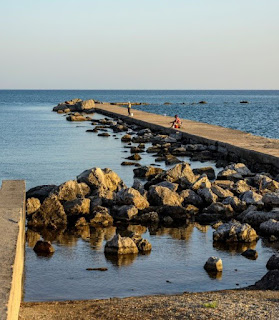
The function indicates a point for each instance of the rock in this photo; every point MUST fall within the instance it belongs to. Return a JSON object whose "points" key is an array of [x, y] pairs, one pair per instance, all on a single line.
{"points": [[154, 149], [251, 197], [213, 264], [225, 184], [270, 281], [170, 159], [100, 217], [250, 254], [138, 186], [241, 186], [266, 183], [217, 224], [32, 205], [244, 101], [120, 245], [220, 192], [126, 138], [135, 156], [101, 179], [237, 205], [180, 171], [177, 212], [68, 191], [77, 207], [229, 174], [85, 105], [76, 118], [40, 192], [84, 190], [136, 150], [144, 131], [95, 201], [190, 197], [182, 152], [149, 217], [128, 163], [273, 262], [240, 168], [270, 227], [167, 184], [104, 134], [255, 218], [202, 102], [191, 210], [207, 195], [234, 231], [125, 213], [168, 220], [51, 214], [160, 196], [209, 171], [147, 171], [144, 245], [271, 199], [201, 183], [131, 196], [272, 238], [81, 222], [225, 210], [44, 247]]}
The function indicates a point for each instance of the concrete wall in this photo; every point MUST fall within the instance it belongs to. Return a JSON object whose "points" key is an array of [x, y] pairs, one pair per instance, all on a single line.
{"points": [[257, 161], [12, 247]]}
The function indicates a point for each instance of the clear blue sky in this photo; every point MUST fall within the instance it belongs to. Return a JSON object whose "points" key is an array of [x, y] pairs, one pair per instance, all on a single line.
{"points": [[139, 44]]}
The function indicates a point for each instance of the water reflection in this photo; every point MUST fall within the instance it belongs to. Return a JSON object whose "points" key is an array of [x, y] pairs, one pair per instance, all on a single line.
{"points": [[99, 235], [121, 259], [234, 247], [181, 233], [214, 275], [32, 237]]}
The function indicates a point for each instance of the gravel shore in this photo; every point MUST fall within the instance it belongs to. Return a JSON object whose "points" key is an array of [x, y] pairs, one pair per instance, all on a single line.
{"points": [[229, 304]]}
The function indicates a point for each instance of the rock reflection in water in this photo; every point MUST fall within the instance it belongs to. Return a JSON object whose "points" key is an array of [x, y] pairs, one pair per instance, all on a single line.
{"points": [[32, 237], [98, 235], [121, 259], [234, 247], [214, 275], [201, 228], [180, 233]]}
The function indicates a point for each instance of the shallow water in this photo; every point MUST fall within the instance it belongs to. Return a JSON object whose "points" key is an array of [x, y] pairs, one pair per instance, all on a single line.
{"points": [[174, 265]]}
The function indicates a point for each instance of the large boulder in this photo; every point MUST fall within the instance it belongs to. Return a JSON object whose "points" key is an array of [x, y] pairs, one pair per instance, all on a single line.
{"points": [[220, 192], [85, 105], [201, 183], [240, 168], [101, 179], [251, 197], [255, 218], [271, 199], [237, 205], [266, 183], [224, 210], [160, 196], [51, 214], [273, 262], [270, 281], [190, 197], [77, 207], [32, 205], [125, 213], [147, 171], [207, 195], [181, 171], [100, 217], [234, 231], [209, 171], [131, 196], [241, 186], [40, 192], [70, 190], [120, 245], [270, 227]]}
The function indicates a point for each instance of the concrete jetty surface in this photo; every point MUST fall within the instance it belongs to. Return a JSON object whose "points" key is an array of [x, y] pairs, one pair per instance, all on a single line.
{"points": [[12, 239], [254, 149]]}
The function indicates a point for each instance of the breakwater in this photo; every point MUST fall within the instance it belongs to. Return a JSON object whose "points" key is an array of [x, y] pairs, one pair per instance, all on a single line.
{"points": [[12, 234], [261, 154]]}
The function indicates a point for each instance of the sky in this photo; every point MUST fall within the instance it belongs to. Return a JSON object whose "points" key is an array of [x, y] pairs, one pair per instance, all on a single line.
{"points": [[139, 44]]}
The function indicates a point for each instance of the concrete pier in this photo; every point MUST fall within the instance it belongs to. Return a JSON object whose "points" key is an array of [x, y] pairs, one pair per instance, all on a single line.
{"points": [[12, 236], [259, 152]]}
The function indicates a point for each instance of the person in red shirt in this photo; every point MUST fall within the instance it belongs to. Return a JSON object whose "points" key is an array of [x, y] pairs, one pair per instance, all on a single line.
{"points": [[176, 123]]}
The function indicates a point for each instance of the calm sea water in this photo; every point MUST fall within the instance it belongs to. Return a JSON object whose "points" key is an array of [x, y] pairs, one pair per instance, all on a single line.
{"points": [[43, 148]]}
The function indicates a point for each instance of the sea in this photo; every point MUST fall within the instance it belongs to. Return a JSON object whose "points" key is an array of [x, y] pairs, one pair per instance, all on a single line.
{"points": [[41, 147]]}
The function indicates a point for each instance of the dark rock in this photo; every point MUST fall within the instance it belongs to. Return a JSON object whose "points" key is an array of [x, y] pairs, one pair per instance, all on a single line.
{"points": [[250, 254], [209, 171], [40, 192], [273, 262], [270, 281], [100, 217], [44, 247]]}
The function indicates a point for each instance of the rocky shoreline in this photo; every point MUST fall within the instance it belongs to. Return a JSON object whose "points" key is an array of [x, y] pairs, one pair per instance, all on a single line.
{"points": [[241, 204]]}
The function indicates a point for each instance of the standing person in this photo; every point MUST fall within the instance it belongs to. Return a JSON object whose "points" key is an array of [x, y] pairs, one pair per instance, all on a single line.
{"points": [[129, 108], [176, 123]]}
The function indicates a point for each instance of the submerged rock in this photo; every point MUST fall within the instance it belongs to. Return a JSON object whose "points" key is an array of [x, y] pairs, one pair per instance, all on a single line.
{"points": [[44, 247], [213, 264]]}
